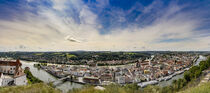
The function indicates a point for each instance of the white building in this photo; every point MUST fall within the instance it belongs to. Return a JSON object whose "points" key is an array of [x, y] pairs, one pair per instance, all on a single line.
{"points": [[121, 80], [11, 73]]}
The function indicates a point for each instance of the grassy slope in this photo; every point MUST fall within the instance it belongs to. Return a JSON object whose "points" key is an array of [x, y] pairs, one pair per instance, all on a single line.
{"points": [[204, 88], [44, 88], [32, 88], [108, 89]]}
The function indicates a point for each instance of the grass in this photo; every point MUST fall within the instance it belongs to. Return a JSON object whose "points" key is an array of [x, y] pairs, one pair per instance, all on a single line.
{"points": [[32, 88], [113, 88], [204, 88], [70, 55], [45, 88]]}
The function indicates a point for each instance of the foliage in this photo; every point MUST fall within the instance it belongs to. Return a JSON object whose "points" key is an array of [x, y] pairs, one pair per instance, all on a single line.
{"points": [[31, 79], [191, 75], [39, 54], [151, 89], [76, 57], [204, 88]]}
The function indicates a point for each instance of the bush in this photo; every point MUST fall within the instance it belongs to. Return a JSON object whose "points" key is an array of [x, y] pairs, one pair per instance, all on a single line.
{"points": [[31, 78]]}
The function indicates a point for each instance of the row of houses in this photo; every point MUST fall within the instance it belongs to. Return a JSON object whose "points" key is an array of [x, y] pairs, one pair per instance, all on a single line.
{"points": [[155, 68]]}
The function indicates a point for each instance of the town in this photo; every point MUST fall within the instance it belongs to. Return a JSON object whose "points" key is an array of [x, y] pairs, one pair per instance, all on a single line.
{"points": [[104, 46], [157, 68]]}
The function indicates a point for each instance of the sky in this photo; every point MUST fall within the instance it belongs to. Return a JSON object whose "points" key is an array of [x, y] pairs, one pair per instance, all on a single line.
{"points": [[104, 25]]}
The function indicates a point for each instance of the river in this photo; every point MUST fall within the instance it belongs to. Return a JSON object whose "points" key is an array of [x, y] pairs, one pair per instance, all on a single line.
{"points": [[46, 77], [66, 86], [169, 82]]}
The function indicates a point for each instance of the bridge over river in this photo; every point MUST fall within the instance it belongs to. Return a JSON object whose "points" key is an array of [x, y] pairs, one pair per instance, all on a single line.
{"points": [[60, 81]]}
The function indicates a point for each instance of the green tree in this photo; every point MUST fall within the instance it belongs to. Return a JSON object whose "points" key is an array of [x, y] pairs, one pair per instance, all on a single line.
{"points": [[187, 76]]}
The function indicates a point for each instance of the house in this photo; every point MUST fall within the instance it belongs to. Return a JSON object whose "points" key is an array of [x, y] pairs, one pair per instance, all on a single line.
{"points": [[92, 80], [121, 80], [128, 79], [11, 73], [106, 77]]}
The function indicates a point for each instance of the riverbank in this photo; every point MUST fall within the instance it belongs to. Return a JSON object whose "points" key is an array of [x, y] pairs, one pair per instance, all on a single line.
{"points": [[178, 74], [167, 80], [47, 78], [162, 79]]}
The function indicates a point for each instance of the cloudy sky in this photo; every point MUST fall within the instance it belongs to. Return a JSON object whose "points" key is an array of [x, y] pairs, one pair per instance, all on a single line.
{"points": [[104, 25]]}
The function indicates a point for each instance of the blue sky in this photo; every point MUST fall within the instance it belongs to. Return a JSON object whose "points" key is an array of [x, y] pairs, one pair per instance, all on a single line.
{"points": [[116, 25]]}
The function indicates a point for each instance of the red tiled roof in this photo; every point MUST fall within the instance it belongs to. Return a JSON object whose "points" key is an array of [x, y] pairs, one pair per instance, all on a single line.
{"points": [[10, 63]]}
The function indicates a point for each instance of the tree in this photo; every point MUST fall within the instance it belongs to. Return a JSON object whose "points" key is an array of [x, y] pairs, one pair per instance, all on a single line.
{"points": [[187, 76]]}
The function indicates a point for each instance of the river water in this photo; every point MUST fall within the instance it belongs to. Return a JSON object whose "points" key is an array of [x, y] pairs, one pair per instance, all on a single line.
{"points": [[46, 77], [169, 82], [66, 86]]}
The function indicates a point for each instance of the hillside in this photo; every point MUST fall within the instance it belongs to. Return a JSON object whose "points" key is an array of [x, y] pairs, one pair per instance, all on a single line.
{"points": [[204, 88], [44, 88], [31, 88]]}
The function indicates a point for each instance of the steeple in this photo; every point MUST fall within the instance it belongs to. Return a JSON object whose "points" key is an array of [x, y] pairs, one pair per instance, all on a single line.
{"points": [[18, 62]]}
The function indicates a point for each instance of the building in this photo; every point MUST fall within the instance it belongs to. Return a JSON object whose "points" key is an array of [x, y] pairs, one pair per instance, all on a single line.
{"points": [[11, 73], [92, 80], [121, 80], [106, 77]]}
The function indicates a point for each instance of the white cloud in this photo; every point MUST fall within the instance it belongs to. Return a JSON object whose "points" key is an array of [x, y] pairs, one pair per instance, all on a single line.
{"points": [[87, 17], [71, 39], [52, 31], [59, 4]]}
